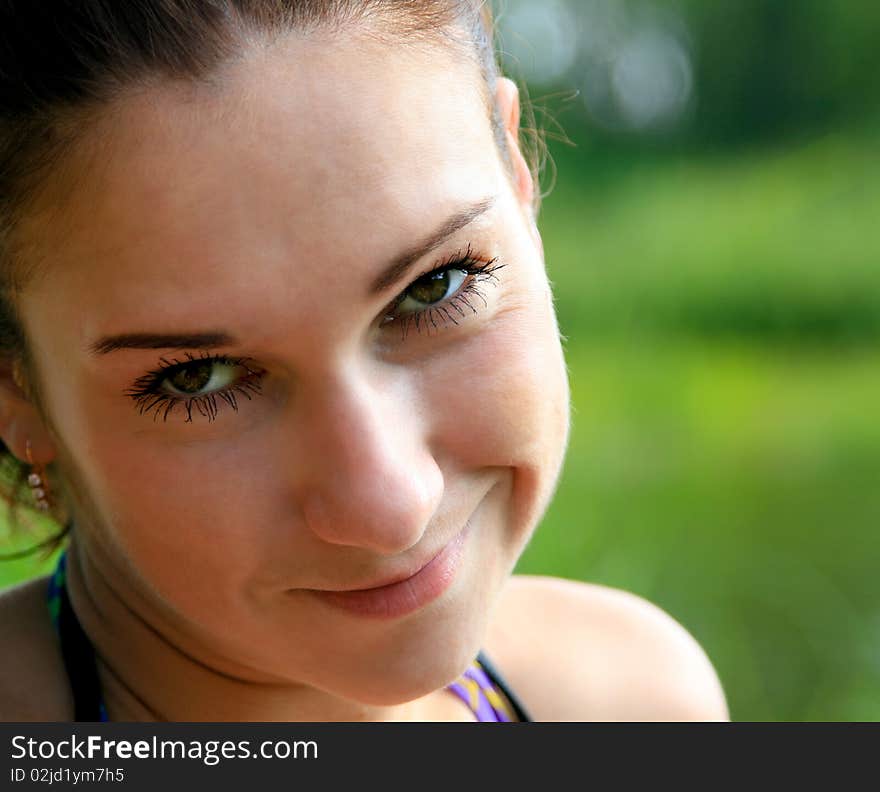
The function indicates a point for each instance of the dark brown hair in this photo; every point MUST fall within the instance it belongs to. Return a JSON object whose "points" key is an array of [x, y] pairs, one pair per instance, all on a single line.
{"points": [[62, 63]]}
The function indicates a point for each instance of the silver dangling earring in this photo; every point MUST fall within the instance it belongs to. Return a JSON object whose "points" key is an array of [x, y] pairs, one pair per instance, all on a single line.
{"points": [[37, 481]]}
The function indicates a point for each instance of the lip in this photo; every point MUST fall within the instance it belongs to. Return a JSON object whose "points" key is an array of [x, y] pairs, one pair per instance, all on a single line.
{"points": [[402, 597]]}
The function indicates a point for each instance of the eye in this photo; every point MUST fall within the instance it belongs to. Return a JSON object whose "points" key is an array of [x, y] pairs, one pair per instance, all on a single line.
{"points": [[444, 294], [212, 375], [434, 287], [198, 383]]}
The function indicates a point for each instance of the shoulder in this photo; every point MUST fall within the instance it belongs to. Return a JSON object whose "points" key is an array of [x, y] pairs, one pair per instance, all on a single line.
{"points": [[575, 651], [33, 681]]}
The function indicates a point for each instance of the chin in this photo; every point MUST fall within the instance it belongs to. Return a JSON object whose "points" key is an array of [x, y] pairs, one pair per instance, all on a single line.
{"points": [[411, 678], [424, 657]]}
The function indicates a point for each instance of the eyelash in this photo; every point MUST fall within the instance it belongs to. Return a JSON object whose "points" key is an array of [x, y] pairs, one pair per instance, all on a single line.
{"points": [[148, 396], [476, 269]]}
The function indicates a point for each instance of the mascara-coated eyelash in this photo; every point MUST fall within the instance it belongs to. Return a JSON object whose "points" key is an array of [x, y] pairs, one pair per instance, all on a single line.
{"points": [[149, 397], [475, 269]]}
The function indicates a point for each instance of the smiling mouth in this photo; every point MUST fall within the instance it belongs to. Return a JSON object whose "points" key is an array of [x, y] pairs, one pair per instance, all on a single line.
{"points": [[393, 581], [405, 595]]}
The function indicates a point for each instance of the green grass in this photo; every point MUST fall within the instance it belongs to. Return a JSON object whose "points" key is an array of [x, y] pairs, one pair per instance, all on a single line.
{"points": [[15, 571], [770, 244], [735, 486], [722, 315]]}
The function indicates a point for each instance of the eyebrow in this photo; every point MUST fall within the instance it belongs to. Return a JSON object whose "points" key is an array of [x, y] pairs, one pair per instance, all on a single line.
{"points": [[389, 276]]}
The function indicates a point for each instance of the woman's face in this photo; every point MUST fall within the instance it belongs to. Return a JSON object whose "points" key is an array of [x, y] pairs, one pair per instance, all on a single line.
{"points": [[317, 436]]}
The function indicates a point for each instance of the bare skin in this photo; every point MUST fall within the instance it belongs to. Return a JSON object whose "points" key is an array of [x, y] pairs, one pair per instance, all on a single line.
{"points": [[605, 656], [265, 209]]}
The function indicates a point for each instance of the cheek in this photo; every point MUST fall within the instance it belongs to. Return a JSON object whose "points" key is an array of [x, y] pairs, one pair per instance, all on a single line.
{"points": [[508, 401], [195, 504]]}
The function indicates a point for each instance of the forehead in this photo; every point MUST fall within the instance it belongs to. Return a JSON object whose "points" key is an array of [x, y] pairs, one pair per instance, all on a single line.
{"points": [[303, 151]]}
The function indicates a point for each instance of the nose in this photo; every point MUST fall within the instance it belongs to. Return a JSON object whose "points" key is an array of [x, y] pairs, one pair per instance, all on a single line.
{"points": [[371, 482]]}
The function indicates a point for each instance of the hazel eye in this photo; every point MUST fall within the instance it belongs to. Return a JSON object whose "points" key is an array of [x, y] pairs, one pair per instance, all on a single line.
{"points": [[432, 289], [198, 384], [203, 375], [443, 295]]}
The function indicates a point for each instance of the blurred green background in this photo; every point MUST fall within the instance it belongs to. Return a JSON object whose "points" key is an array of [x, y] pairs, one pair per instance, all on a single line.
{"points": [[711, 241]]}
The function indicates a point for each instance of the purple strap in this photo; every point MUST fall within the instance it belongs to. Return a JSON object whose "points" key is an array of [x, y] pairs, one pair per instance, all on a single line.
{"points": [[477, 691]]}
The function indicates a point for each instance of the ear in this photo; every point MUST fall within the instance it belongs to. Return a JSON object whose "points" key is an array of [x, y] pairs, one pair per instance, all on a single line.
{"points": [[20, 418], [507, 102]]}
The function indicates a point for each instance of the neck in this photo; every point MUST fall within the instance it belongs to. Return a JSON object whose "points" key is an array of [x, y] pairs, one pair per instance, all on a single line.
{"points": [[151, 670]]}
